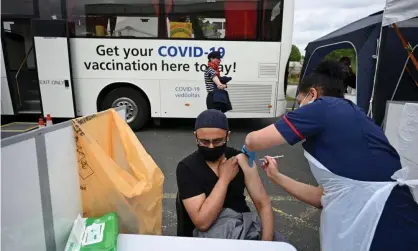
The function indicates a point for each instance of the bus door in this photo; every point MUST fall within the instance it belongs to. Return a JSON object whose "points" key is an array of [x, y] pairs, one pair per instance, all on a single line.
{"points": [[20, 65], [52, 51]]}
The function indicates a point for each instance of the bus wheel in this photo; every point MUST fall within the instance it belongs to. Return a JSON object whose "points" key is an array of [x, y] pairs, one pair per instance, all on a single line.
{"points": [[137, 108]]}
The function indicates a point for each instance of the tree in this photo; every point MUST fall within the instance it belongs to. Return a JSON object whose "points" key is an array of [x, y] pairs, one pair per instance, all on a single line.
{"points": [[337, 54], [295, 54]]}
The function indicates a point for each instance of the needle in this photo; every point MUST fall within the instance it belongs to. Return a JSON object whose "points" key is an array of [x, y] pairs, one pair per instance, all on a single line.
{"points": [[275, 157]]}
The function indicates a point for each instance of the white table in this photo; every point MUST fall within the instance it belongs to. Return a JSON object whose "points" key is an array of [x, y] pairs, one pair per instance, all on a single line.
{"points": [[133, 242]]}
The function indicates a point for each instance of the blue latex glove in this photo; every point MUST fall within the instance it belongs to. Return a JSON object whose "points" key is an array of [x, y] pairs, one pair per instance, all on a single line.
{"points": [[250, 155]]}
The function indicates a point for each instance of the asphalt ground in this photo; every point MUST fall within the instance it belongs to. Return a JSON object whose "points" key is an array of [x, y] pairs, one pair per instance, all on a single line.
{"points": [[171, 141]]}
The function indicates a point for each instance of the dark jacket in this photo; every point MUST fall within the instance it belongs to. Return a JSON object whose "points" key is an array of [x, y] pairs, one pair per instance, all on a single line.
{"points": [[221, 99]]}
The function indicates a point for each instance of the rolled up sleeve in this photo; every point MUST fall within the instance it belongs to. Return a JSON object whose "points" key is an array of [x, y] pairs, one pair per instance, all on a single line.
{"points": [[304, 122]]}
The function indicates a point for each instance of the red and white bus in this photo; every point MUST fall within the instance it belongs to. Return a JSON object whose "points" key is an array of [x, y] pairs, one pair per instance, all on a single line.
{"points": [[76, 57]]}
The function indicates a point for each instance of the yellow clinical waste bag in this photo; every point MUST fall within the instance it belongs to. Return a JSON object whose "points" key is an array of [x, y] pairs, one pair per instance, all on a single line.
{"points": [[117, 174]]}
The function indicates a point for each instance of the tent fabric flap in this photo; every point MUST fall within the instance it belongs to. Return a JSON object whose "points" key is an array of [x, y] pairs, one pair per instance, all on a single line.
{"points": [[399, 10], [362, 36], [393, 81]]}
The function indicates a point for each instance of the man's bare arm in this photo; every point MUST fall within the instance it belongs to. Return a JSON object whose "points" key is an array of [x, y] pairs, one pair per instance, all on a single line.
{"points": [[259, 196], [203, 210]]}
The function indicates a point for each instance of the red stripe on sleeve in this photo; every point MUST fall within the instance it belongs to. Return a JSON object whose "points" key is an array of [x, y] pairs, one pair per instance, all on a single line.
{"points": [[293, 128]]}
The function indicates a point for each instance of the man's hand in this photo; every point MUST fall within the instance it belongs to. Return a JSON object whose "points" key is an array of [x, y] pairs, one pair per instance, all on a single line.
{"points": [[228, 169]]}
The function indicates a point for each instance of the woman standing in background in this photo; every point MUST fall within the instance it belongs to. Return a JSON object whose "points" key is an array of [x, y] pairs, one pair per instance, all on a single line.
{"points": [[215, 82]]}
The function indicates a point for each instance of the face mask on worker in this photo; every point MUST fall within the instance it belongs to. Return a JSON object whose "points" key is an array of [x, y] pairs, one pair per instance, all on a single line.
{"points": [[302, 104], [212, 154]]}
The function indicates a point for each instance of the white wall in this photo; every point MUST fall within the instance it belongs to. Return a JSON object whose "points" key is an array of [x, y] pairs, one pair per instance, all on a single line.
{"points": [[63, 182], [42, 198], [22, 225], [40, 195]]}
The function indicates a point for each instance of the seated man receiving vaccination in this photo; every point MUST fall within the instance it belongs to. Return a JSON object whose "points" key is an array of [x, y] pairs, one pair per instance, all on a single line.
{"points": [[211, 183]]}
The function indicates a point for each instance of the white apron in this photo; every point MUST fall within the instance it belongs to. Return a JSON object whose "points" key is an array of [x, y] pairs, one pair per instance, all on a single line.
{"points": [[352, 208]]}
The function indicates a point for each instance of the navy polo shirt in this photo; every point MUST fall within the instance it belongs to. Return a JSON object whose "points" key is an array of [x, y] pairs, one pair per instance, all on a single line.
{"points": [[348, 143]]}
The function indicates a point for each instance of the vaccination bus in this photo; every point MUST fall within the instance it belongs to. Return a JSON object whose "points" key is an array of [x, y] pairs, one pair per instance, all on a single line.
{"points": [[70, 58]]}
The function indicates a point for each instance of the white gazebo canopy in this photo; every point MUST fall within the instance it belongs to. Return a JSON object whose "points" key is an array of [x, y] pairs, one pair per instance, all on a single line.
{"points": [[399, 10]]}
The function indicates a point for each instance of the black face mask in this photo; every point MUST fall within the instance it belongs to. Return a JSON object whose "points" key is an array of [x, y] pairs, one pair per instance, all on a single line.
{"points": [[212, 154]]}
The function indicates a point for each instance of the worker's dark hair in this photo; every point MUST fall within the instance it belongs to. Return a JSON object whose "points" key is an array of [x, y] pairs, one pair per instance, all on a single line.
{"points": [[327, 79]]}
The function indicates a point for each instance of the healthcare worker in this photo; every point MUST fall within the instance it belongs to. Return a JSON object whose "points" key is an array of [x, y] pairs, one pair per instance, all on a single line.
{"points": [[363, 208]]}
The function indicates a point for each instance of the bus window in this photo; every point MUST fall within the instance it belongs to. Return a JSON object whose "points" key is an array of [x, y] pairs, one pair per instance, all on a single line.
{"points": [[241, 19], [19, 44], [44, 9], [217, 25], [50, 9], [203, 19], [272, 20], [17, 7], [123, 18]]}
